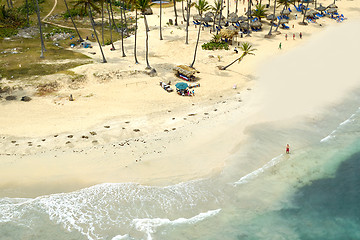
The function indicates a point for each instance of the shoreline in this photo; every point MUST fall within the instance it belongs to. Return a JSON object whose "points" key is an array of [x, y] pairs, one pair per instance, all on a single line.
{"points": [[207, 139]]}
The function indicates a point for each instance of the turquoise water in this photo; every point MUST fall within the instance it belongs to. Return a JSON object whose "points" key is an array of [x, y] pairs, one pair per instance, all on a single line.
{"points": [[310, 194]]}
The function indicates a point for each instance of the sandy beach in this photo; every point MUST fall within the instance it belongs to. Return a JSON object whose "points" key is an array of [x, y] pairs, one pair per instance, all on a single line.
{"points": [[123, 127]]}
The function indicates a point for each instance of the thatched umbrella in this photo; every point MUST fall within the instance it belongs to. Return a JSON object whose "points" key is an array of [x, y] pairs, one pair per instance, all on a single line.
{"points": [[232, 28], [217, 18], [209, 14], [271, 17], [256, 24], [285, 12], [332, 10], [242, 18], [283, 20], [310, 13], [251, 13], [333, 5], [233, 19], [244, 25], [208, 19], [197, 17], [321, 8], [227, 33], [233, 15]]}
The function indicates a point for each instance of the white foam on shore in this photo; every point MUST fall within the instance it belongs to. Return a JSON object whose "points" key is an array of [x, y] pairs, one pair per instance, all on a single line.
{"points": [[149, 225], [258, 171]]}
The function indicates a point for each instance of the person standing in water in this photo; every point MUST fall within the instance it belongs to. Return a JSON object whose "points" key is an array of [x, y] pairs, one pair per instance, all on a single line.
{"points": [[287, 148]]}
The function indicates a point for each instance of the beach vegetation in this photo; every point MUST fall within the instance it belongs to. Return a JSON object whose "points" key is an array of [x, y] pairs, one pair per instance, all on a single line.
{"points": [[260, 11], [247, 50], [215, 44]]}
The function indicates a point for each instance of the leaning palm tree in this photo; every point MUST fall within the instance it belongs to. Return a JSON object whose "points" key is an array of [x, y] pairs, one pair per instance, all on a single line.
{"points": [[188, 6], [306, 8], [143, 5], [202, 7], [41, 34], [77, 31], [88, 5], [247, 50], [259, 11]]}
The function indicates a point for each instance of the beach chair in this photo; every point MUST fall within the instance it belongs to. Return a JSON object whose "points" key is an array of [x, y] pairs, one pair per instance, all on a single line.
{"points": [[289, 10], [196, 23], [284, 26]]}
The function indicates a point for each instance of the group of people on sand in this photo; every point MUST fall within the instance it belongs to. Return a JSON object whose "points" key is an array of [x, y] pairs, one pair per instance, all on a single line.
{"points": [[286, 37]]}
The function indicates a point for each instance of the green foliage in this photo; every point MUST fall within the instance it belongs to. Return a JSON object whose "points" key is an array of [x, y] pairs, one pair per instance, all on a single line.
{"points": [[260, 11], [74, 12], [10, 21], [31, 5], [215, 46]]}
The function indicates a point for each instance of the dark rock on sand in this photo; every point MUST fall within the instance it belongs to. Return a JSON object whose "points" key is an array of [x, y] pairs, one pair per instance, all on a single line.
{"points": [[10, 98], [26, 99]]}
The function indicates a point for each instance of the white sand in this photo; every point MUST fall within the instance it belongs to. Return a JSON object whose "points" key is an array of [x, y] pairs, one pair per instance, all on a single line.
{"points": [[172, 146]]}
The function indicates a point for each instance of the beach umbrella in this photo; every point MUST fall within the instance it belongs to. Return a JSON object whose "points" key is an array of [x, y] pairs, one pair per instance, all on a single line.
{"points": [[181, 85], [321, 8], [256, 24], [242, 18], [285, 12], [197, 17], [218, 17], [271, 17], [209, 14], [232, 19], [208, 19], [283, 20], [332, 10], [333, 5], [233, 15], [310, 13], [244, 25], [232, 28]]}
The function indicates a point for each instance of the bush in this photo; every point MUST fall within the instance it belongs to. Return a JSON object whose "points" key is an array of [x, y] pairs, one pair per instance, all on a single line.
{"points": [[75, 12], [215, 46]]}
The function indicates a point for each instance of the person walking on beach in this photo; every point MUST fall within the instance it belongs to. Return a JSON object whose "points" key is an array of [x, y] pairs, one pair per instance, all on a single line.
{"points": [[287, 149], [285, 36], [294, 36], [280, 46], [300, 35]]}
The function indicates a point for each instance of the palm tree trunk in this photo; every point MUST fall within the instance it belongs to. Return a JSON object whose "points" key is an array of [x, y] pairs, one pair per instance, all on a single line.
{"points": [[272, 22], [113, 19], [238, 59], [161, 38], [249, 18], [111, 27], [182, 8], [97, 39], [279, 22], [27, 13], [196, 46], [11, 4], [176, 23], [8, 3], [236, 6], [102, 22], [126, 25], [41, 34], [221, 8], [187, 21], [228, 9], [147, 44], [136, 14], [216, 13], [80, 38], [305, 12], [122, 32]]}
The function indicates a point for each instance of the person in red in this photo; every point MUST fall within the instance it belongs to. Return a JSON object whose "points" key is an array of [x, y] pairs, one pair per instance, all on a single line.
{"points": [[294, 36], [300, 35], [287, 148], [285, 36]]}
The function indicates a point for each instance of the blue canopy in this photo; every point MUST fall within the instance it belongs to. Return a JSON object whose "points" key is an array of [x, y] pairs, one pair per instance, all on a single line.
{"points": [[181, 85]]}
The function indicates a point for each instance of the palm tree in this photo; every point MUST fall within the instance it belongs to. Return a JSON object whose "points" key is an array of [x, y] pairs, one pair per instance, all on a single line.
{"points": [[110, 25], [27, 13], [142, 5], [202, 7], [216, 8], [67, 8], [161, 38], [187, 21], [221, 9], [260, 11], [236, 6], [88, 4], [122, 31], [249, 16], [269, 34], [247, 50], [307, 5], [102, 21], [176, 23], [133, 4], [41, 34], [182, 10]]}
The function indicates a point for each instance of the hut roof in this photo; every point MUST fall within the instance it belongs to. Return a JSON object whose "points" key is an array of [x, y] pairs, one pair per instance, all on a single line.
{"points": [[226, 33], [185, 70]]}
